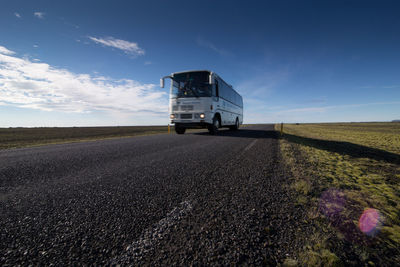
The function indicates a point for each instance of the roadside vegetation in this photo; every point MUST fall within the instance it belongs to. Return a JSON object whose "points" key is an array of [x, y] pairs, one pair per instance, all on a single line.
{"points": [[23, 137], [347, 176]]}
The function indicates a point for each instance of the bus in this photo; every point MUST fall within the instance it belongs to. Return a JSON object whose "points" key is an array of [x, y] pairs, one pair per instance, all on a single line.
{"points": [[202, 99]]}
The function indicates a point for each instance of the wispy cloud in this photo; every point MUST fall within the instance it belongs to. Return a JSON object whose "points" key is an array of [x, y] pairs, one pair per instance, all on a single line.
{"points": [[28, 84], [39, 15], [5, 51], [129, 48], [304, 110], [315, 114], [69, 23], [207, 44], [391, 86], [335, 107], [262, 84], [380, 87], [17, 15], [364, 104], [318, 100]]}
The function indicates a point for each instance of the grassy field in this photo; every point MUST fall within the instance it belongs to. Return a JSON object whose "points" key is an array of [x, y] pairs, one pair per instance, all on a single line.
{"points": [[23, 137], [347, 176]]}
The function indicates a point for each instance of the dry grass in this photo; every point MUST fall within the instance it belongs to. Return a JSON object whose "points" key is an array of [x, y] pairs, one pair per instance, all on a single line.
{"points": [[23, 137], [380, 135], [361, 163]]}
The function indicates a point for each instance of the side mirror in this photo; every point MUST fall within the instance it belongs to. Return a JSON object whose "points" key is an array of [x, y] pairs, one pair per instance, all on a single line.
{"points": [[162, 82]]}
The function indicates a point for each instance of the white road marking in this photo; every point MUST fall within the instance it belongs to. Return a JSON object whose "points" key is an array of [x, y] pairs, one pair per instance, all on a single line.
{"points": [[153, 234], [250, 145]]}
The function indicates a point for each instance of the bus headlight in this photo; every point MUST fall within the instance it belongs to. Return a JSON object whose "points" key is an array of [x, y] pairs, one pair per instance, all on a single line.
{"points": [[202, 116], [172, 116]]}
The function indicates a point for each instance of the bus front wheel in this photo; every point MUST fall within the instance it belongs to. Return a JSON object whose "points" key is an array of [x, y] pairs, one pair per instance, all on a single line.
{"points": [[213, 128]]}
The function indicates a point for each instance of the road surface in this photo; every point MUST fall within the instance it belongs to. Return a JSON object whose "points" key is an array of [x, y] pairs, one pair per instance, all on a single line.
{"points": [[150, 200]]}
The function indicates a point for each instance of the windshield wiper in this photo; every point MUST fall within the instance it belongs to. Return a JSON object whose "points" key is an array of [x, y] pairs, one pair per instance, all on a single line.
{"points": [[194, 92], [191, 89]]}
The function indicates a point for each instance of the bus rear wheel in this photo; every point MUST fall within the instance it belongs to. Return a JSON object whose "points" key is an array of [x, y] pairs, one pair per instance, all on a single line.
{"points": [[180, 130], [213, 128], [236, 126]]}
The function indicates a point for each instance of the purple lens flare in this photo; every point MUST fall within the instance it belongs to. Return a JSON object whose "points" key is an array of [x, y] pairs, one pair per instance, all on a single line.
{"points": [[332, 202], [370, 221]]}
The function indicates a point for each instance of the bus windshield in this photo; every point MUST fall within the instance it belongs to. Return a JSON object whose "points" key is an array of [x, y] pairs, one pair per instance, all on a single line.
{"points": [[191, 84]]}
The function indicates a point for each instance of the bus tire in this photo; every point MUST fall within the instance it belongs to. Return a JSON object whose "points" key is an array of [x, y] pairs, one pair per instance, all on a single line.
{"points": [[180, 130], [236, 126], [213, 128]]}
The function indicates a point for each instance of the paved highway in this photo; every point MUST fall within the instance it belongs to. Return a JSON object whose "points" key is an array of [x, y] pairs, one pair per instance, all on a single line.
{"points": [[150, 200]]}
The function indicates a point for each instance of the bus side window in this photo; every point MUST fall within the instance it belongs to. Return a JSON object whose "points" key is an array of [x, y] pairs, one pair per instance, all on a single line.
{"points": [[216, 89]]}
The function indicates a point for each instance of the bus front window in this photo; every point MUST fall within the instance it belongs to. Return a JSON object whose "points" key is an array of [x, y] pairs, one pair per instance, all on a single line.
{"points": [[191, 84]]}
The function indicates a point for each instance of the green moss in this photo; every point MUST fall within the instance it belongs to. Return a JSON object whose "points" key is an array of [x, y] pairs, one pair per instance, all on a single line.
{"points": [[290, 263], [302, 186], [384, 136], [365, 180], [302, 200], [329, 258], [310, 258], [392, 233], [323, 257]]}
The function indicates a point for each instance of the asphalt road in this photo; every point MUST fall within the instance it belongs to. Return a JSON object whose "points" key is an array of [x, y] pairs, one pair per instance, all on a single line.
{"points": [[150, 200]]}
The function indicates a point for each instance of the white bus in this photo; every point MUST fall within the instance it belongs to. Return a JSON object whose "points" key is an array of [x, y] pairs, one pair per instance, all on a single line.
{"points": [[201, 99]]}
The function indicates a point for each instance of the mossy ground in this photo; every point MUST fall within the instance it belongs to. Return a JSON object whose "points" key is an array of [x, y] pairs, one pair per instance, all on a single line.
{"points": [[357, 165]]}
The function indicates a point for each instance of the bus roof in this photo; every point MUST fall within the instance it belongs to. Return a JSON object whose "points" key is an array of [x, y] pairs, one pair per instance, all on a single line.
{"points": [[191, 71]]}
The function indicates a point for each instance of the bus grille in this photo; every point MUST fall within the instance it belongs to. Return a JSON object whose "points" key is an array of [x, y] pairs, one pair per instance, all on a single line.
{"points": [[186, 107], [186, 116]]}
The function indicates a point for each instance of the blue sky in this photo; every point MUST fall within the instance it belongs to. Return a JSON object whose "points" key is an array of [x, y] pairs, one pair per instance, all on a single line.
{"points": [[90, 63]]}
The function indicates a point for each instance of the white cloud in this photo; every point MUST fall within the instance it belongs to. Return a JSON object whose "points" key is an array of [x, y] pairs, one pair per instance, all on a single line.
{"points": [[129, 48], [17, 15], [69, 23], [262, 84], [314, 114], [391, 86], [35, 46], [323, 109], [34, 85], [207, 44], [39, 15], [305, 110], [5, 51], [379, 87]]}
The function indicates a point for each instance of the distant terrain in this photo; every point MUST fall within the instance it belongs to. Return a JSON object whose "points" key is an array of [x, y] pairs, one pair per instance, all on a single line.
{"points": [[36, 136], [23, 137], [347, 174]]}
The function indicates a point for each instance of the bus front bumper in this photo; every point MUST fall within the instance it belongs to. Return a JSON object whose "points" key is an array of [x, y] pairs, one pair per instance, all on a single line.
{"points": [[190, 125]]}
